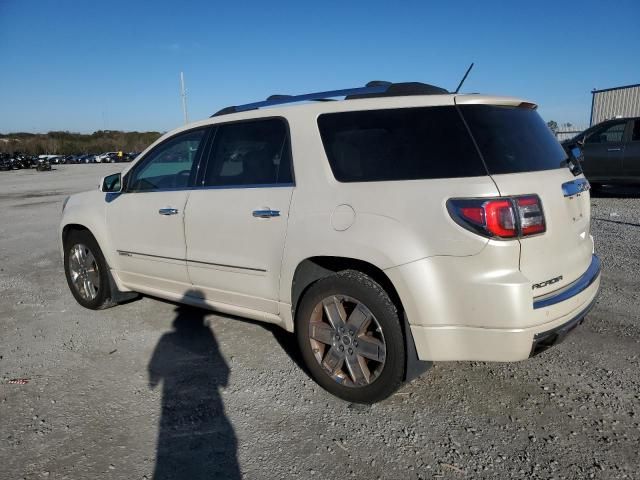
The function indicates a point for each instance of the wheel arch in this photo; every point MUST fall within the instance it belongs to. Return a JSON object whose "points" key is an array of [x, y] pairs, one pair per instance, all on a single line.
{"points": [[312, 269], [68, 228], [119, 293]]}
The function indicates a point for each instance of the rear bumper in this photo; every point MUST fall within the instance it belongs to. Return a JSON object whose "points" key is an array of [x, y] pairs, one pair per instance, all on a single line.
{"points": [[489, 319], [573, 289], [545, 340]]}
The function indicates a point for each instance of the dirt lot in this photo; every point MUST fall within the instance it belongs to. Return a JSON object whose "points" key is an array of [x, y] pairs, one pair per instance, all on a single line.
{"points": [[148, 386]]}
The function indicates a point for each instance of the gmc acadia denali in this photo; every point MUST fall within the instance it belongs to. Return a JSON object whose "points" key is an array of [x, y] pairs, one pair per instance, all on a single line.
{"points": [[399, 226]]}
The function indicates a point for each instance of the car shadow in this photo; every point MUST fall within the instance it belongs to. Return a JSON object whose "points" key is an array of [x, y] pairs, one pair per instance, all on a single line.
{"points": [[195, 438], [286, 340], [616, 191]]}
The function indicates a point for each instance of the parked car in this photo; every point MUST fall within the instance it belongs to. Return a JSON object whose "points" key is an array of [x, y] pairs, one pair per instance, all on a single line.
{"points": [[20, 161], [106, 157], [87, 158], [400, 226], [611, 151], [43, 165], [5, 162], [129, 157], [33, 160]]}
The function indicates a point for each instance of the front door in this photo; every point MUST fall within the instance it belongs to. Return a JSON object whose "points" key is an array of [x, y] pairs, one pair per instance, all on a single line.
{"points": [[236, 223], [146, 221], [603, 152]]}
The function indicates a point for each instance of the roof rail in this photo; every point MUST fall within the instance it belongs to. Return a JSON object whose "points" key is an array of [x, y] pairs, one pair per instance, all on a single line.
{"points": [[281, 99], [371, 90]]}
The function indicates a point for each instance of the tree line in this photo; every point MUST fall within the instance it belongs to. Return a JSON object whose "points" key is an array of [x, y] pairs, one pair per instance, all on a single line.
{"points": [[69, 143]]}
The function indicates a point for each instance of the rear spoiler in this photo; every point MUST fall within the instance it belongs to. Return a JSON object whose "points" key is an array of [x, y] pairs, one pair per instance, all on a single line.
{"points": [[493, 100]]}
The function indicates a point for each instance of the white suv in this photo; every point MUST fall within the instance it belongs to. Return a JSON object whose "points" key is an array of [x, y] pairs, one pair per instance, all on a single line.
{"points": [[400, 226]]}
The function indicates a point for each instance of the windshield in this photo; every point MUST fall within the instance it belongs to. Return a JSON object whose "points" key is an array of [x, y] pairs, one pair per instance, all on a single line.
{"points": [[513, 139]]}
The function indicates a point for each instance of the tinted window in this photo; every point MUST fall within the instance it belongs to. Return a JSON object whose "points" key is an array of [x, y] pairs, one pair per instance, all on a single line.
{"points": [[169, 165], [609, 134], [635, 136], [399, 144], [513, 139], [250, 153]]}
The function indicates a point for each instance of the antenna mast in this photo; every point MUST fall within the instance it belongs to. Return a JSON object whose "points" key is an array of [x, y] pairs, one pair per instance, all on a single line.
{"points": [[183, 94], [464, 78]]}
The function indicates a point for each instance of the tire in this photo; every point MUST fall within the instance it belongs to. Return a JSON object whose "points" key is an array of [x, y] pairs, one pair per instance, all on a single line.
{"points": [[97, 294], [358, 364]]}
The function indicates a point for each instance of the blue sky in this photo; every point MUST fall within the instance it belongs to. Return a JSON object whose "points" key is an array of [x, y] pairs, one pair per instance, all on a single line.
{"points": [[84, 65]]}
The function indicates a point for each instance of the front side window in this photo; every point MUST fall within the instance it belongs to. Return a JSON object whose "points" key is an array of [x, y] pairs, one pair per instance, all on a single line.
{"points": [[252, 153], [610, 134], [168, 166]]}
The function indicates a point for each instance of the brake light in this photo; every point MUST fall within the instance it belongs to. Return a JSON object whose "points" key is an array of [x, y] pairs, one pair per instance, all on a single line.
{"points": [[503, 217], [531, 216], [501, 221]]}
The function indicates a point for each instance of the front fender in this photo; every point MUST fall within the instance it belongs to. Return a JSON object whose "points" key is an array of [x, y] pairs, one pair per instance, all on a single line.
{"points": [[88, 210]]}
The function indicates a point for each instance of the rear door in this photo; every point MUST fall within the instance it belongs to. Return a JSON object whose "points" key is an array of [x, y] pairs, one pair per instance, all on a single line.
{"points": [[631, 161], [523, 158], [604, 151], [236, 222]]}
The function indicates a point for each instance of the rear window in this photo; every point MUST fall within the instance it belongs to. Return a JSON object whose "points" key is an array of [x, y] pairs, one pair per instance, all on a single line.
{"points": [[399, 144], [513, 139]]}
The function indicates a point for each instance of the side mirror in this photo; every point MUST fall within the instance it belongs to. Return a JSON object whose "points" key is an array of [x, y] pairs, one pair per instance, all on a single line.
{"points": [[111, 183], [576, 152], [575, 159]]}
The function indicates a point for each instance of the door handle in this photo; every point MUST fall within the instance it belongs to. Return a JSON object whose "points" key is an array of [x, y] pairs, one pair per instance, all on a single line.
{"points": [[266, 213], [613, 149], [168, 211]]}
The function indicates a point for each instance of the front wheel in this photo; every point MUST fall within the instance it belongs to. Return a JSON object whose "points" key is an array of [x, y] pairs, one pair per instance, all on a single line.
{"points": [[86, 271], [350, 337]]}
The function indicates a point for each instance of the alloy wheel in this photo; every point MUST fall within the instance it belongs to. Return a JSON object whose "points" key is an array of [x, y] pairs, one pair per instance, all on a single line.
{"points": [[84, 271], [347, 341]]}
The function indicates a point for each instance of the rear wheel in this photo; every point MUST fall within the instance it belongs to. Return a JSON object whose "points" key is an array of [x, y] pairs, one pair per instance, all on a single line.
{"points": [[350, 337], [86, 271]]}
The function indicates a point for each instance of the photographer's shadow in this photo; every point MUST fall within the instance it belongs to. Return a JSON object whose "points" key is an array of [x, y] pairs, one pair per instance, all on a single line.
{"points": [[195, 438]]}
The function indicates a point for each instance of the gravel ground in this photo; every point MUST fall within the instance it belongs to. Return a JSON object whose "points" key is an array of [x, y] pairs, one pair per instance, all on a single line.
{"points": [[151, 386]]}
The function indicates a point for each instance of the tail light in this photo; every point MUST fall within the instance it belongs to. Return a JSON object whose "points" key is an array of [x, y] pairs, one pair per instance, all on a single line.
{"points": [[503, 217]]}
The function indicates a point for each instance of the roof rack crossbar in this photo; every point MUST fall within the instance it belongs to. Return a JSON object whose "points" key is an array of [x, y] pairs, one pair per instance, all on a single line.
{"points": [[280, 100]]}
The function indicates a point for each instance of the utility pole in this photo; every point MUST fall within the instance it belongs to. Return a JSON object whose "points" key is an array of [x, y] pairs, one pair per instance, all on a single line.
{"points": [[183, 94]]}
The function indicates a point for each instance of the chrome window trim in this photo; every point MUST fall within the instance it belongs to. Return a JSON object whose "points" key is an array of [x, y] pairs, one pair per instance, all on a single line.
{"points": [[573, 289], [220, 187]]}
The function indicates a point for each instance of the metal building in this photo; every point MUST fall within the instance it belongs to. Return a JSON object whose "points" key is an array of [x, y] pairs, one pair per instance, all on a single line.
{"points": [[615, 102]]}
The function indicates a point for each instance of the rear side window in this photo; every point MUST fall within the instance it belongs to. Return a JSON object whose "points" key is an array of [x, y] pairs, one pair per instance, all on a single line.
{"points": [[513, 139], [399, 144], [250, 153]]}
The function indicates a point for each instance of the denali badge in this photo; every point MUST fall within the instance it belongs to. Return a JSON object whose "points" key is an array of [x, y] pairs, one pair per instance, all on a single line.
{"points": [[551, 281]]}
